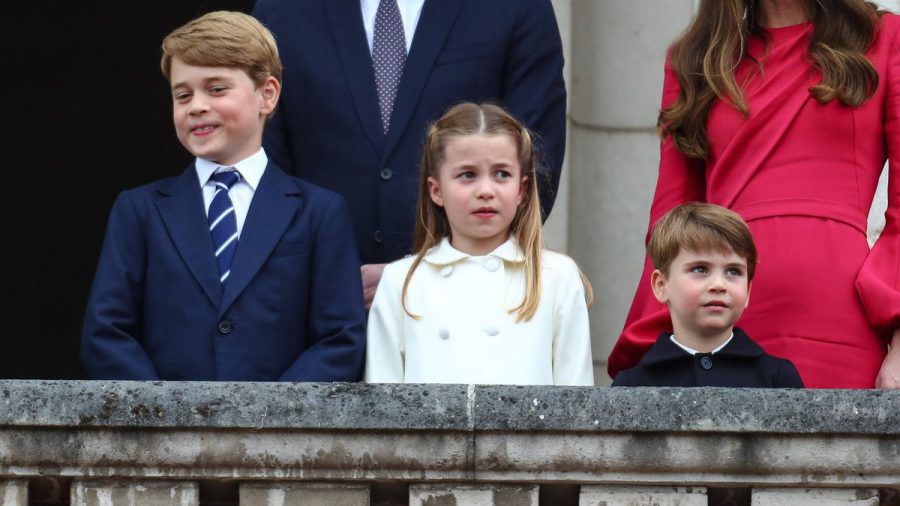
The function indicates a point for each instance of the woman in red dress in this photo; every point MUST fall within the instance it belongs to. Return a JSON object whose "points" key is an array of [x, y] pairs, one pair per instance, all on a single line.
{"points": [[785, 111]]}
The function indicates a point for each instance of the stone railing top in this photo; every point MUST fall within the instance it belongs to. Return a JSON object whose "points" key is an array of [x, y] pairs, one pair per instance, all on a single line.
{"points": [[356, 406]]}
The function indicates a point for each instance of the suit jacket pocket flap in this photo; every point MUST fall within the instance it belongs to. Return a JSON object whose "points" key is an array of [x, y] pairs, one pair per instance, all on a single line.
{"points": [[491, 48], [290, 248]]}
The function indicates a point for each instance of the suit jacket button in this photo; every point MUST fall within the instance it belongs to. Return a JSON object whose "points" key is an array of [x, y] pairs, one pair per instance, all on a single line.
{"points": [[706, 362], [377, 236], [386, 174], [225, 327]]}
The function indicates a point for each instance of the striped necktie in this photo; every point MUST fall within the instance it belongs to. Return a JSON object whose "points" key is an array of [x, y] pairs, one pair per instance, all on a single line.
{"points": [[222, 220], [388, 56]]}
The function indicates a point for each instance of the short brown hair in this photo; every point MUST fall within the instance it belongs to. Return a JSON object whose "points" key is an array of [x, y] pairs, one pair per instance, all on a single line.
{"points": [[700, 227], [224, 39]]}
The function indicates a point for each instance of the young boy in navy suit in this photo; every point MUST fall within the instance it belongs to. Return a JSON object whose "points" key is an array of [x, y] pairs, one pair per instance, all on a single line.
{"points": [[233, 270], [704, 260]]}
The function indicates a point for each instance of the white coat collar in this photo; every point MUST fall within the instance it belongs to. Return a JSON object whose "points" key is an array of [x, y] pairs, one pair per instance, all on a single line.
{"points": [[444, 253]]}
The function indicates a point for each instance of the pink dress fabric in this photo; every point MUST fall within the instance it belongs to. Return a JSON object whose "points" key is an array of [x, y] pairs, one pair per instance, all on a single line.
{"points": [[803, 175]]}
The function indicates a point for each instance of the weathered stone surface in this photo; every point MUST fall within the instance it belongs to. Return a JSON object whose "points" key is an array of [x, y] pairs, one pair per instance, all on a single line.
{"points": [[352, 406], [14, 492], [699, 458], [307, 494], [238, 405], [456, 494], [143, 493], [814, 497], [476, 434], [790, 411], [592, 495], [248, 454]]}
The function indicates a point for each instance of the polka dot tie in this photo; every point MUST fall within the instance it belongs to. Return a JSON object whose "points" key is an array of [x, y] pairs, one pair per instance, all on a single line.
{"points": [[388, 56], [222, 222]]}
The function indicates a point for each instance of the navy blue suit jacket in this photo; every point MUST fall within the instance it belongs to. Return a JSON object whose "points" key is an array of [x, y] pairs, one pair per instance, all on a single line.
{"points": [[291, 310], [327, 128]]}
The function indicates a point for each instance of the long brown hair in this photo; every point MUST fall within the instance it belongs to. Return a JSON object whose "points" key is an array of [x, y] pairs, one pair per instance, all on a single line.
{"points": [[431, 220], [705, 56]]}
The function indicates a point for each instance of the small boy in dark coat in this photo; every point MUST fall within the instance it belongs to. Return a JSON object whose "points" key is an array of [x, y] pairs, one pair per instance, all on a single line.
{"points": [[704, 260]]}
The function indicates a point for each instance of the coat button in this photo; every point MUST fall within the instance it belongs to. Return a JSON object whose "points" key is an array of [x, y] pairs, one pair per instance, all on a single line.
{"points": [[491, 330], [492, 264], [706, 362], [386, 174], [377, 236], [444, 333], [447, 271], [225, 327]]}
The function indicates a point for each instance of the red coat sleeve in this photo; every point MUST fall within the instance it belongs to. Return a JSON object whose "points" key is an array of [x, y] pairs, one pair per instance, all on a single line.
{"points": [[878, 281], [680, 180]]}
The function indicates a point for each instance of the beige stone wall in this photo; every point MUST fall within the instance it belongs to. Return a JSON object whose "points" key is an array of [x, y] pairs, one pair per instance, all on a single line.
{"points": [[614, 59]]}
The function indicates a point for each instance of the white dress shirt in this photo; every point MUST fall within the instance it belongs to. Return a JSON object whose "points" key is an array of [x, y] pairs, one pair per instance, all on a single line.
{"points": [[251, 170], [465, 332], [409, 12]]}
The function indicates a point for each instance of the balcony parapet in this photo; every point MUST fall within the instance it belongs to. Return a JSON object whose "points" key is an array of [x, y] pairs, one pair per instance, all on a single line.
{"points": [[841, 441]]}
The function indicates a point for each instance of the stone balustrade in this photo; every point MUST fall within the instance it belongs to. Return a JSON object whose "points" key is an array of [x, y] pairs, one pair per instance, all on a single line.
{"points": [[186, 443]]}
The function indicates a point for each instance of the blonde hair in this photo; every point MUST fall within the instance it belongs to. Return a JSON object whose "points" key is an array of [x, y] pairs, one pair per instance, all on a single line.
{"points": [[432, 224], [224, 39], [700, 227], [705, 56]]}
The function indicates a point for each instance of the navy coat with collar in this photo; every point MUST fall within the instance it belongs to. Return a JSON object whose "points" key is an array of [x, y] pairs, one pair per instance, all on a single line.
{"points": [[741, 363], [291, 310], [327, 128]]}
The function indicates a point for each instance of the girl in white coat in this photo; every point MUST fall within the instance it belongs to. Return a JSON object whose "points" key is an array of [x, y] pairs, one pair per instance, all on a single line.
{"points": [[481, 301]]}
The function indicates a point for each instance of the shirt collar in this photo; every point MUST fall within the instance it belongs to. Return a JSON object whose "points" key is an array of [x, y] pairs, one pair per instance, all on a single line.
{"points": [[665, 349], [444, 253], [694, 352], [251, 168]]}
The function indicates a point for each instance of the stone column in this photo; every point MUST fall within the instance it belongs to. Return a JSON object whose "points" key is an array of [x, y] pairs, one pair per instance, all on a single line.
{"points": [[618, 52], [14, 492], [308, 494], [876, 213], [135, 493], [423, 494], [601, 495], [814, 497], [556, 227]]}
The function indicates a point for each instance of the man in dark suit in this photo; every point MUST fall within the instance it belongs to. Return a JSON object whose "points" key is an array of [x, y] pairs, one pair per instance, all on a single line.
{"points": [[337, 128]]}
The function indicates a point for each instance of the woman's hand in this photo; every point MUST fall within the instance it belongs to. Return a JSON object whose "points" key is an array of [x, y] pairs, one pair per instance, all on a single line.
{"points": [[889, 375]]}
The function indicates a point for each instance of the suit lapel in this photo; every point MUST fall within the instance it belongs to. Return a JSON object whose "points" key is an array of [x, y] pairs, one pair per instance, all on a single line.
{"points": [[345, 19], [435, 22], [273, 206], [184, 217]]}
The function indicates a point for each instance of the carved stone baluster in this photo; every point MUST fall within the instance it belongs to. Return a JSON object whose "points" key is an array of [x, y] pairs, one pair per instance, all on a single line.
{"points": [[307, 494], [473, 495], [595, 495], [136, 493]]}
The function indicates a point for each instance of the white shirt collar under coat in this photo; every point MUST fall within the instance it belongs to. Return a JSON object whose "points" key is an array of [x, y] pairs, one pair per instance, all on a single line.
{"points": [[251, 168], [694, 352], [444, 253]]}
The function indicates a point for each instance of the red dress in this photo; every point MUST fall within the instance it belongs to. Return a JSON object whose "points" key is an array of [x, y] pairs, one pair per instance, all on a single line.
{"points": [[803, 175]]}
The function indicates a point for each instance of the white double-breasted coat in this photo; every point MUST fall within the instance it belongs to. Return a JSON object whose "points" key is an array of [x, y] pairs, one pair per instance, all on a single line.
{"points": [[465, 332]]}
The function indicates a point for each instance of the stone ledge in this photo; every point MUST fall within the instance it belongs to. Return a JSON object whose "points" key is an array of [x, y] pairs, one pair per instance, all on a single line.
{"points": [[464, 408]]}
